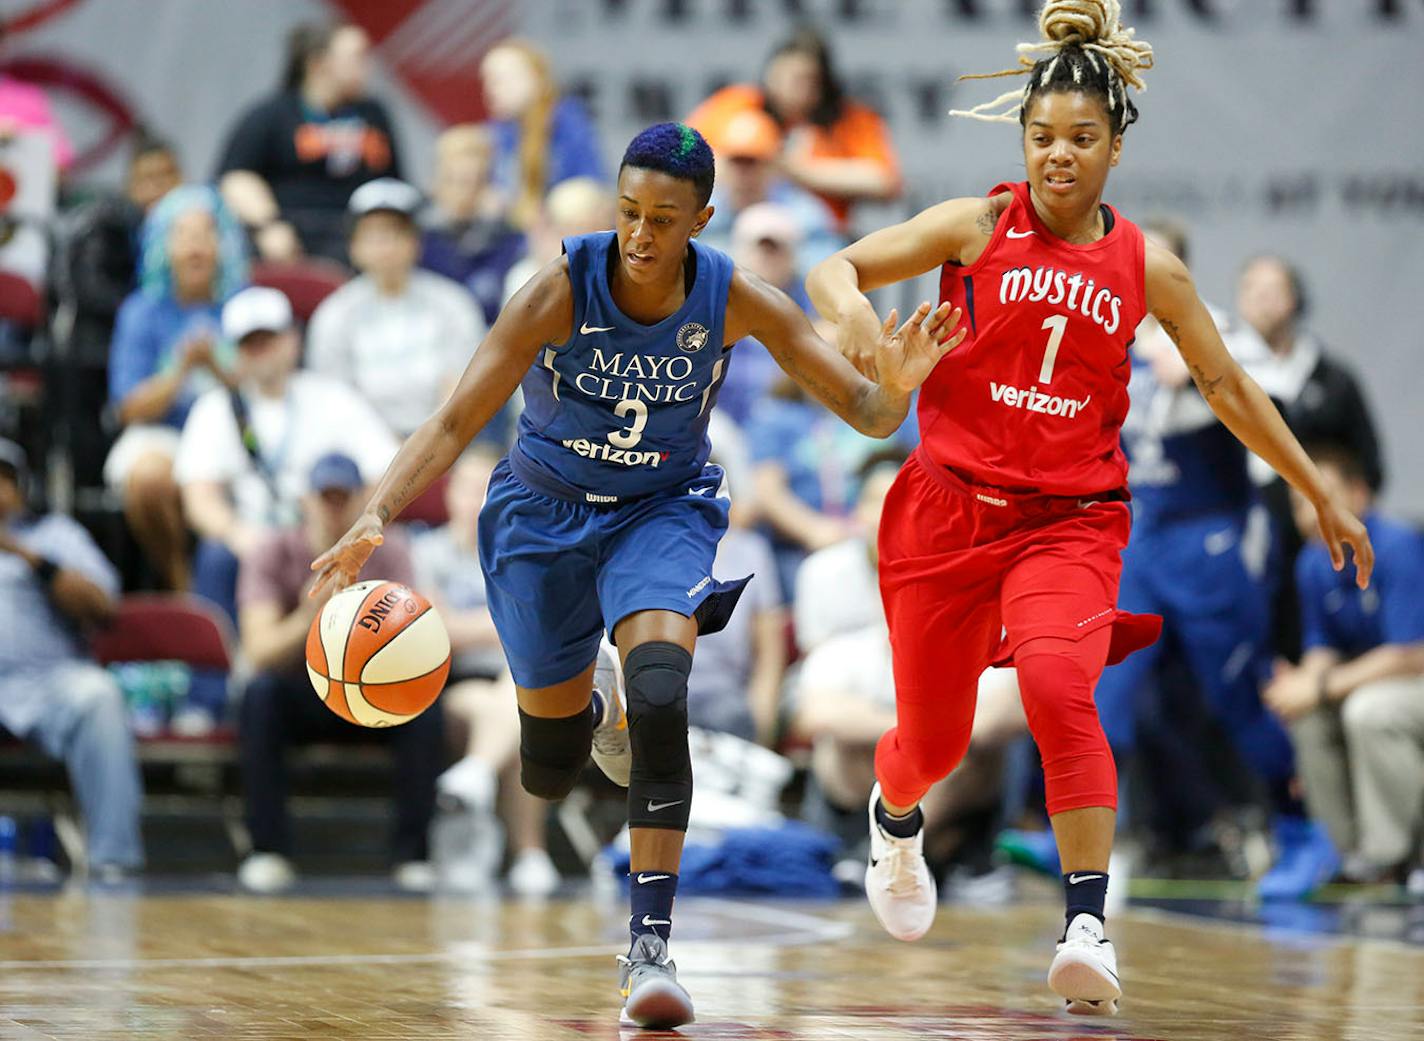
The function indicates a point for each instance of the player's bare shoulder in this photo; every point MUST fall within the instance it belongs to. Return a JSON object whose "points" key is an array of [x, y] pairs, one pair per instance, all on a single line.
{"points": [[986, 214], [963, 227], [544, 307]]}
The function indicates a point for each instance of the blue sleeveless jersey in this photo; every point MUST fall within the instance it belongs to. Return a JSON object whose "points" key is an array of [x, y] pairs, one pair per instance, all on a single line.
{"points": [[620, 410]]}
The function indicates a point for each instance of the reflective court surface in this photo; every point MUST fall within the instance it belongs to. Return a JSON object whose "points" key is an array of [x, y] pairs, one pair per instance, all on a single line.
{"points": [[111, 965]]}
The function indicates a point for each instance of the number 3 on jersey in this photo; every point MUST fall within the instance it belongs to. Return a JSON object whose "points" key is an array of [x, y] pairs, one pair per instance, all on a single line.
{"points": [[1057, 323], [631, 436]]}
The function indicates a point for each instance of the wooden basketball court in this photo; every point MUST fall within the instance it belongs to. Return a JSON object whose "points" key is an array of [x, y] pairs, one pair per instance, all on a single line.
{"points": [[92, 965]]}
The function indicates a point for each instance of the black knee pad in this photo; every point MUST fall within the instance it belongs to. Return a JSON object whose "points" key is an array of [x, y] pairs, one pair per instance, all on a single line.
{"points": [[660, 789], [552, 752]]}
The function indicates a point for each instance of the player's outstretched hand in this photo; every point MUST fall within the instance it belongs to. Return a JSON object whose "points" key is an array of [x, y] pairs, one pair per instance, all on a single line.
{"points": [[905, 357], [339, 566], [1340, 528]]}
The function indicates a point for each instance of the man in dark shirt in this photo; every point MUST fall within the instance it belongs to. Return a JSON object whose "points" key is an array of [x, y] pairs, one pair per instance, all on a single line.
{"points": [[1319, 397], [294, 159]]}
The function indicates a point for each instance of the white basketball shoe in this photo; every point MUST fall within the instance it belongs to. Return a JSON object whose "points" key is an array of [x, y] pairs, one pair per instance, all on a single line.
{"points": [[898, 881], [1084, 971], [611, 749]]}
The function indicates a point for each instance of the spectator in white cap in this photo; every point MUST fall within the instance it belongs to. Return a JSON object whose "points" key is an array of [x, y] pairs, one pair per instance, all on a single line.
{"points": [[244, 454], [399, 335]]}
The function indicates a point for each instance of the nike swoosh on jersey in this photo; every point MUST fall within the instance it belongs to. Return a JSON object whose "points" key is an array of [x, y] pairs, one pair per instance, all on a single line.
{"points": [[654, 807], [1014, 233], [585, 329]]}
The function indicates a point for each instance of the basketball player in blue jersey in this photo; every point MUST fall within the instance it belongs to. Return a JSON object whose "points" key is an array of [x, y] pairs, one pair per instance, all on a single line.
{"points": [[606, 515], [1197, 557]]}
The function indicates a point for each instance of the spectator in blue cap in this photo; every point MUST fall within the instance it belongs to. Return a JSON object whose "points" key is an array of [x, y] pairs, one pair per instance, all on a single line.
{"points": [[280, 709]]}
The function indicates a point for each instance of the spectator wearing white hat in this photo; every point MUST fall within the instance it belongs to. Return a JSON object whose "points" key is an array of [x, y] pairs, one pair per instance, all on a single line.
{"points": [[244, 454], [399, 335]]}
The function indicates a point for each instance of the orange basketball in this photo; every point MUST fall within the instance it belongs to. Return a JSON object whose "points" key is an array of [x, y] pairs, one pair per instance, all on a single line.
{"points": [[378, 654]]}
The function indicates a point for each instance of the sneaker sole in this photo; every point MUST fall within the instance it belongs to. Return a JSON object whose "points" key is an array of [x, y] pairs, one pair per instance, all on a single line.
{"points": [[1090, 1008], [1082, 984], [657, 1005]]}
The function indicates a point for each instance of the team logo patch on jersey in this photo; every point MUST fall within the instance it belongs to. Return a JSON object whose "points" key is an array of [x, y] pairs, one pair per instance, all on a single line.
{"points": [[692, 337]]}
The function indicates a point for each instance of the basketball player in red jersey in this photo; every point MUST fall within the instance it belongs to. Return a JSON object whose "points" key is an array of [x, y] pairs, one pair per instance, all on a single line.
{"points": [[1001, 538]]}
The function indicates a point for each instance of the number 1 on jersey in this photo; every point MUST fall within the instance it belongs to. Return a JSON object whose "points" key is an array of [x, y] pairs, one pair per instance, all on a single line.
{"points": [[1057, 323], [630, 437]]}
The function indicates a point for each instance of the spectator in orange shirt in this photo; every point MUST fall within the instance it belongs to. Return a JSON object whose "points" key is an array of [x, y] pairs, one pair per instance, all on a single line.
{"points": [[835, 146]]}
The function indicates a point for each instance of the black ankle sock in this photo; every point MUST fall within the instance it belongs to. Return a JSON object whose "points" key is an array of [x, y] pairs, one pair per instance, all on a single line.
{"points": [[598, 708], [1084, 892], [652, 896], [906, 827]]}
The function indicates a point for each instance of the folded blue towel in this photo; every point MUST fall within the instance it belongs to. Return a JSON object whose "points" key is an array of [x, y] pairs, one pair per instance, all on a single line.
{"points": [[794, 859]]}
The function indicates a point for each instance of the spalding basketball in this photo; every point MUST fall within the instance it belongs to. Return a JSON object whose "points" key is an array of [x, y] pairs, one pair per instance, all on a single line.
{"points": [[378, 654]]}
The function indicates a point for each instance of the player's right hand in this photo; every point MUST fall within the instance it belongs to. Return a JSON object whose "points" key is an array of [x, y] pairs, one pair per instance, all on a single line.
{"points": [[1340, 528], [339, 566]]}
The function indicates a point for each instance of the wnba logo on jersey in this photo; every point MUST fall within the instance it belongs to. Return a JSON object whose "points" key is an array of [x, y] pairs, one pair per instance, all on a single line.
{"points": [[1055, 287], [692, 337]]}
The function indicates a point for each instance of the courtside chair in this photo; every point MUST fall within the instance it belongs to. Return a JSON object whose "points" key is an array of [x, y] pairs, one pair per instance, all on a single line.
{"points": [[306, 282]]}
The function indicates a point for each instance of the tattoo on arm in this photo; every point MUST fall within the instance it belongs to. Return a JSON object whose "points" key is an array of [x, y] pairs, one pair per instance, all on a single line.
{"points": [[1205, 384], [986, 221], [407, 490]]}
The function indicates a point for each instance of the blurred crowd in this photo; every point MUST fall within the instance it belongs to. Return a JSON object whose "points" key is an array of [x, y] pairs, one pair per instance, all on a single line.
{"points": [[230, 355]]}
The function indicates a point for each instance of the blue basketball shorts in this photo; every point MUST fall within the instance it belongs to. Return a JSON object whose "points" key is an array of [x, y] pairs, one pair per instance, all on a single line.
{"points": [[558, 573]]}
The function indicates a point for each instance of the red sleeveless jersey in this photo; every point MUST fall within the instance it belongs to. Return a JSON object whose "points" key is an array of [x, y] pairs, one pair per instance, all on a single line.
{"points": [[1035, 396]]}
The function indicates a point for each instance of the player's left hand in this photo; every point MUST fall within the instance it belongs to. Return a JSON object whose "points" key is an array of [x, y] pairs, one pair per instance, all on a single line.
{"points": [[338, 567], [1340, 528], [905, 357]]}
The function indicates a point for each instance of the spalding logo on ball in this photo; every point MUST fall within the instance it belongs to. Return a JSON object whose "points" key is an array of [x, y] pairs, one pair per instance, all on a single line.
{"points": [[378, 654]]}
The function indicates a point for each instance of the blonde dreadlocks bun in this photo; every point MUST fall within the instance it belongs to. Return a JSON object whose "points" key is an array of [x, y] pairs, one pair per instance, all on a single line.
{"points": [[1096, 26], [1084, 46]]}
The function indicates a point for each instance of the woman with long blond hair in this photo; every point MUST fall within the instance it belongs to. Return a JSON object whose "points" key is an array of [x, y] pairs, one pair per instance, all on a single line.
{"points": [[540, 136]]}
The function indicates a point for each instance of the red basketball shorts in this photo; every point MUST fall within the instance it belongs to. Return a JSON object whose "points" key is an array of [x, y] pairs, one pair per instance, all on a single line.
{"points": [[974, 575]]}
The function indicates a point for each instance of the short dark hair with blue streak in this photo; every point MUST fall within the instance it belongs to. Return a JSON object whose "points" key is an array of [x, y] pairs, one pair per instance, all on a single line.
{"points": [[676, 150]]}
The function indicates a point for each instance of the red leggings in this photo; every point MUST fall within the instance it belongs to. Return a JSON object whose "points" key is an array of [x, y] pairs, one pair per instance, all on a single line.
{"points": [[1056, 680], [969, 578]]}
